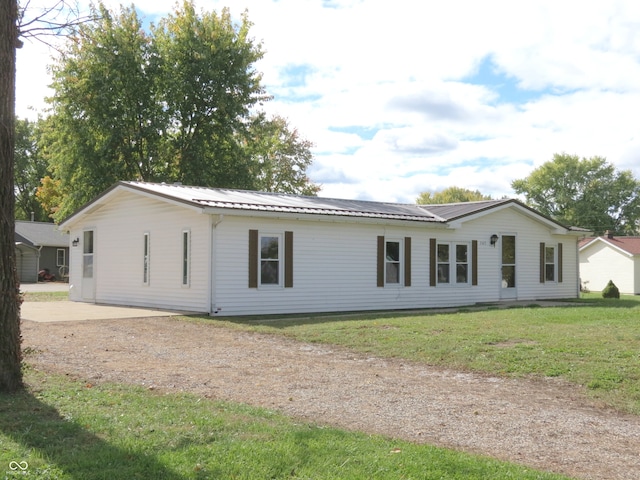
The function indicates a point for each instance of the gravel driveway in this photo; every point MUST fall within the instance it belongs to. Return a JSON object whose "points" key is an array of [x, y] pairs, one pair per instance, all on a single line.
{"points": [[545, 424]]}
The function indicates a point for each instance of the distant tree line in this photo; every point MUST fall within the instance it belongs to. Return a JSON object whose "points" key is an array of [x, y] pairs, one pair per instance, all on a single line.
{"points": [[582, 192]]}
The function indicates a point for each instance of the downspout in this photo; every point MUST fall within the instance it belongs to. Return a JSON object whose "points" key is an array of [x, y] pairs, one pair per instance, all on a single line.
{"points": [[213, 310]]}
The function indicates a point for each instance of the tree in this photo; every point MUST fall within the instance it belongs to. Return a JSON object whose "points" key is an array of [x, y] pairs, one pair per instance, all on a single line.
{"points": [[584, 192], [174, 104], [451, 195], [10, 354], [281, 157], [29, 170]]}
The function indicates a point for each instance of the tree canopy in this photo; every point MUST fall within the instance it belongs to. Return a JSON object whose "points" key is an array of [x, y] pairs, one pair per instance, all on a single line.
{"points": [[30, 168], [584, 192], [177, 102], [451, 195]]}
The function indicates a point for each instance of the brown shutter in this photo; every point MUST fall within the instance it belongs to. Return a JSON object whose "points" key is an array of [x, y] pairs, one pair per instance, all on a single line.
{"points": [[253, 258], [288, 259], [432, 262], [559, 263], [380, 269], [407, 261], [542, 257], [474, 262]]}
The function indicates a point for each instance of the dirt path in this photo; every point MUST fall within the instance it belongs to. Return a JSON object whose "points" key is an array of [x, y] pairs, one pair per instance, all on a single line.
{"points": [[544, 424]]}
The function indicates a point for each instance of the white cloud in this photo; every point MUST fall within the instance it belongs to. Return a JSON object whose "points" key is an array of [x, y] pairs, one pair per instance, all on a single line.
{"points": [[380, 88]]}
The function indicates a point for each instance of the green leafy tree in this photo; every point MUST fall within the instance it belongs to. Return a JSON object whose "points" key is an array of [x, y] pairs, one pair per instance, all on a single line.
{"points": [[30, 168], [281, 157], [451, 195], [584, 192], [176, 103]]}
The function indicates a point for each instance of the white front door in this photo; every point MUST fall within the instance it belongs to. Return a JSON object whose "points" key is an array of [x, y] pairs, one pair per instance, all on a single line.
{"points": [[88, 266], [508, 271]]}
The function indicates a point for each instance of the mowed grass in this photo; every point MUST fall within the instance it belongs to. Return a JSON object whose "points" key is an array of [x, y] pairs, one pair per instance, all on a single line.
{"points": [[62, 428], [594, 343], [45, 296]]}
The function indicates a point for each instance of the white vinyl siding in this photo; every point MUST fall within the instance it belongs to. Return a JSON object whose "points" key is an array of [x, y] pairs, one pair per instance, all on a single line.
{"points": [[333, 263], [121, 225], [600, 263]]}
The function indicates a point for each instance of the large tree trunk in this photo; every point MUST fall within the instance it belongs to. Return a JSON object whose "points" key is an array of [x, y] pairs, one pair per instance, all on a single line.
{"points": [[10, 354]]}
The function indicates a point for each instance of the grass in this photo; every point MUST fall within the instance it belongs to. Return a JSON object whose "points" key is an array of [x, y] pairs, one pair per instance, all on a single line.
{"points": [[61, 428], [594, 343], [45, 296]]}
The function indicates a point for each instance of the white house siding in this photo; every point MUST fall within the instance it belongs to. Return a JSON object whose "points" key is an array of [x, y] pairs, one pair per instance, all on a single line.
{"points": [[598, 258], [335, 265], [119, 232]]}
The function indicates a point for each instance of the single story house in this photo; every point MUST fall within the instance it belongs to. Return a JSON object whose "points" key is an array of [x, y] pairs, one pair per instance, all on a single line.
{"points": [[232, 252], [40, 246], [610, 258]]}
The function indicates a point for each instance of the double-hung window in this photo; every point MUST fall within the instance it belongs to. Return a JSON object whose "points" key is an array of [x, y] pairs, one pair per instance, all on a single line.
{"points": [[270, 259], [392, 262], [549, 264]]}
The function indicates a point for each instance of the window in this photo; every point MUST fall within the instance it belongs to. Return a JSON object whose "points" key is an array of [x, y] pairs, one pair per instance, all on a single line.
{"points": [[394, 262], [452, 263], [270, 260], [550, 264], [145, 259], [87, 254], [186, 257], [61, 257]]}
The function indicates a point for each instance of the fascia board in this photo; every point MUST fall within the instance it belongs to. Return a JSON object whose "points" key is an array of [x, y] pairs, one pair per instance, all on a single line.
{"points": [[315, 217]]}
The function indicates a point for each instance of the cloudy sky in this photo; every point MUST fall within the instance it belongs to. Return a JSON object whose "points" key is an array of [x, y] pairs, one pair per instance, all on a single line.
{"points": [[403, 97]]}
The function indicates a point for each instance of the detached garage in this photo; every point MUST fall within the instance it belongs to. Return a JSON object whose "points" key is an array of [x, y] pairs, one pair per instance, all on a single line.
{"points": [[232, 252]]}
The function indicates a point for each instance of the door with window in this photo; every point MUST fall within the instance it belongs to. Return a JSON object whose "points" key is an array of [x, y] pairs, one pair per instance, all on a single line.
{"points": [[88, 266], [508, 271]]}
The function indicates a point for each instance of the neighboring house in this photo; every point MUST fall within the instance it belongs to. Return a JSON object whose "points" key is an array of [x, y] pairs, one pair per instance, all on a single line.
{"points": [[40, 246], [230, 252], [611, 258]]}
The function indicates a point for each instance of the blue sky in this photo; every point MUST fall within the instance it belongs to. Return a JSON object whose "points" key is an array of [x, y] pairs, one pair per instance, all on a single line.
{"points": [[404, 97]]}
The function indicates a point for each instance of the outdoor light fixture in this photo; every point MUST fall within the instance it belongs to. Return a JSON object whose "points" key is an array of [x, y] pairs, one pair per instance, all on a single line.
{"points": [[75, 242], [494, 240]]}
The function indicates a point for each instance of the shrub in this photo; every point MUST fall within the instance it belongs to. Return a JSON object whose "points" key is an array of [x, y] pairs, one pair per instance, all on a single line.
{"points": [[611, 291]]}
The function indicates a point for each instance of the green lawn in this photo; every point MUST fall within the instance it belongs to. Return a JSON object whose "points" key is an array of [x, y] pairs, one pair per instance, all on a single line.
{"points": [[592, 342], [45, 296], [65, 429]]}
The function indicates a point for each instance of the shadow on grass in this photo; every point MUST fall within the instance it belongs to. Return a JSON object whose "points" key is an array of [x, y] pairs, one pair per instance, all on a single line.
{"points": [[288, 320], [69, 448]]}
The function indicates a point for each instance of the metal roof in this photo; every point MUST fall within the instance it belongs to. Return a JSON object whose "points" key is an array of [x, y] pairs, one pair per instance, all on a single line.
{"points": [[286, 203], [221, 199], [40, 234]]}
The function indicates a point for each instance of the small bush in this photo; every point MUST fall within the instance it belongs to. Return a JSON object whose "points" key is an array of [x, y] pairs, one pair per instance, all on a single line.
{"points": [[611, 291]]}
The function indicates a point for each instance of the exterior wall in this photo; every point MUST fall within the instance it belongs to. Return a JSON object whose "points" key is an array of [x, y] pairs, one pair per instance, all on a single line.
{"points": [[334, 261], [600, 263], [335, 266], [118, 255], [48, 259], [27, 264]]}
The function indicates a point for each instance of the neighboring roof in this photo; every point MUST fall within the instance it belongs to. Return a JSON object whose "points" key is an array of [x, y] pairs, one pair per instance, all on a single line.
{"points": [[243, 200], [40, 234], [630, 245]]}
